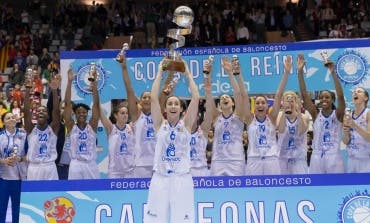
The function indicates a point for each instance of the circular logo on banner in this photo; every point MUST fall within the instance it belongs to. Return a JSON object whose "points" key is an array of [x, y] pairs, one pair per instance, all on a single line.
{"points": [[82, 78], [351, 67], [58, 210], [356, 209]]}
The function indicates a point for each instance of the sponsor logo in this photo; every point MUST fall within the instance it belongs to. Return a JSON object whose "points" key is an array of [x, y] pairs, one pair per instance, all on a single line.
{"points": [[351, 67], [355, 208], [59, 210]]}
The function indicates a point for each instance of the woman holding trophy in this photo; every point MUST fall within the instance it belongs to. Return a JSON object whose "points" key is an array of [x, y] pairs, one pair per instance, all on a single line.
{"points": [[172, 157], [228, 157], [327, 122], [82, 133], [140, 115], [12, 153], [356, 135]]}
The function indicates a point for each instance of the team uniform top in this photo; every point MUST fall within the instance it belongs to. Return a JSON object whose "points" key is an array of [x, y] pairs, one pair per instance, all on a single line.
{"points": [[228, 141], [121, 148], [172, 149], [42, 145], [292, 145], [83, 143], [358, 147], [326, 134], [262, 139], [145, 140], [198, 145], [9, 144]]}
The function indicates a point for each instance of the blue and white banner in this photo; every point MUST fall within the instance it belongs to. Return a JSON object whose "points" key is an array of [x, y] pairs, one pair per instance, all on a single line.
{"points": [[262, 68], [263, 199]]}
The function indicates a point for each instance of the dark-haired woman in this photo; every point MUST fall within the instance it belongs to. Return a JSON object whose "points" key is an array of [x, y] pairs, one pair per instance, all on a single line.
{"points": [[228, 157], [82, 133], [327, 124], [121, 143], [171, 191], [357, 133], [12, 141], [42, 138]]}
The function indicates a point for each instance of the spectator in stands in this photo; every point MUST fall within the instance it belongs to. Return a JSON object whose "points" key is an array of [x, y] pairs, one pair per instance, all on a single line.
{"points": [[17, 77], [230, 36], [12, 53], [288, 21], [17, 112], [16, 94], [20, 60], [271, 21], [242, 34], [45, 59], [32, 59]]}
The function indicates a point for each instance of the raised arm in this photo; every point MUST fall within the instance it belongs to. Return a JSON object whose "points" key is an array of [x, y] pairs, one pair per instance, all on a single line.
{"points": [[303, 120], [167, 90], [279, 93], [307, 103], [339, 91], [349, 124], [132, 99], [209, 105], [192, 111], [55, 122], [67, 114], [95, 114], [226, 64], [27, 112], [245, 97], [155, 106], [105, 121]]}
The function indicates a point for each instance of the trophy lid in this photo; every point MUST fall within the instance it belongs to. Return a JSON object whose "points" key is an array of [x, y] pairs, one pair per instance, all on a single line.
{"points": [[183, 16]]}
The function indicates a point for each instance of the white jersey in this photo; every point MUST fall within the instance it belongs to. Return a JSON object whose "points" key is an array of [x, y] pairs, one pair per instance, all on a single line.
{"points": [[262, 139], [327, 133], [198, 145], [172, 150], [42, 146], [228, 140], [292, 145], [358, 147], [12, 144], [145, 140], [83, 143], [121, 149]]}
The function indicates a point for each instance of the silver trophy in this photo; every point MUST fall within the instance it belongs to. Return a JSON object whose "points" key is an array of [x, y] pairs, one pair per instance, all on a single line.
{"points": [[15, 151], [208, 64], [171, 85], [325, 58], [235, 64], [92, 72], [183, 17], [122, 53], [29, 78]]}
